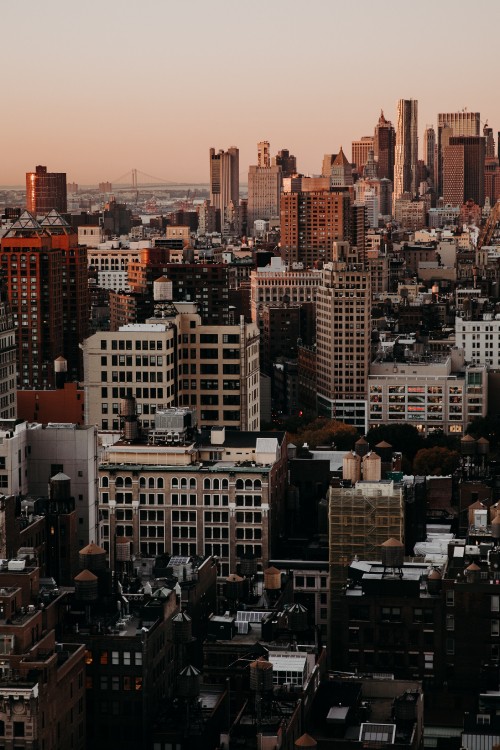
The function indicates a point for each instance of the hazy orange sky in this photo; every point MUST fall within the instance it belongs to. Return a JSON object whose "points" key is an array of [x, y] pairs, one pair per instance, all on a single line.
{"points": [[96, 88]]}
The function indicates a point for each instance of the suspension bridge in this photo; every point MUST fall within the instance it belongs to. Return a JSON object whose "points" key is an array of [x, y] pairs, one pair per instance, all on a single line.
{"points": [[135, 179]]}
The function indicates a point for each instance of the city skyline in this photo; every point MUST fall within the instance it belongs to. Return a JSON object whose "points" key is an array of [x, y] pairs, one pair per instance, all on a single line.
{"points": [[113, 89]]}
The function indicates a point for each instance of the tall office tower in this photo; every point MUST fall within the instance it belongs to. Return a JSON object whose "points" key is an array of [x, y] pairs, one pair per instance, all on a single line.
{"points": [[384, 142], [385, 196], [9, 360], [264, 188], [429, 149], [463, 170], [452, 124], [45, 272], [32, 270], [263, 154], [406, 152], [310, 223], [286, 161], [343, 335], [490, 141], [360, 151], [357, 229], [341, 173], [45, 191], [75, 290], [224, 179]]}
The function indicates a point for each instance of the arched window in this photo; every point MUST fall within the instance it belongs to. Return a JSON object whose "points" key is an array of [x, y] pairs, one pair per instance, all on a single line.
{"points": [[192, 483], [151, 482], [128, 481], [184, 483], [142, 482], [216, 484], [225, 484], [206, 484], [175, 482], [160, 483], [239, 484], [104, 482], [257, 485], [248, 484], [119, 481]]}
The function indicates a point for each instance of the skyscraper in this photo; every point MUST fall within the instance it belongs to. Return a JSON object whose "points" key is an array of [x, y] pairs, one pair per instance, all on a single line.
{"points": [[45, 191], [286, 161], [490, 141], [75, 290], [264, 188], [343, 334], [452, 124], [383, 146], [429, 149], [32, 270], [45, 273], [224, 179], [406, 153], [463, 170]]}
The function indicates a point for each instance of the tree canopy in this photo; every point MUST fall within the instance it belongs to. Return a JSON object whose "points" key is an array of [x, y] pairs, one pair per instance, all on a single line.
{"points": [[437, 461], [324, 431]]}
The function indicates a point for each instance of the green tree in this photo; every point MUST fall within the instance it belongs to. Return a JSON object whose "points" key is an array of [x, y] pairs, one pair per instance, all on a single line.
{"points": [[436, 461], [441, 439], [324, 431]]}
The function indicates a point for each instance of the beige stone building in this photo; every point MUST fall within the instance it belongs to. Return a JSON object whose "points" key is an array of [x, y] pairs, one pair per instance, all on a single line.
{"points": [[270, 284], [219, 493], [174, 361]]}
